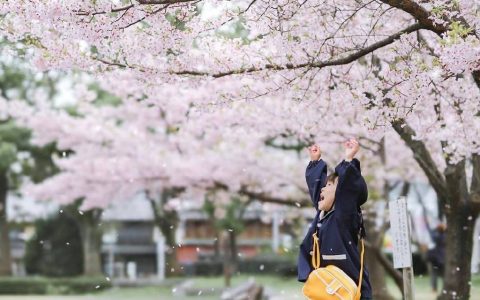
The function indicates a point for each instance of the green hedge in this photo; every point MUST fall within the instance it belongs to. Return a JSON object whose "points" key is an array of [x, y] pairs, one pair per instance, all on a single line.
{"points": [[45, 285], [255, 265], [268, 265]]}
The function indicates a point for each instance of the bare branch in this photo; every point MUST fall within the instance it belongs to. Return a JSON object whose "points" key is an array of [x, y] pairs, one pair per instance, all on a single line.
{"points": [[87, 13], [110, 63], [146, 16], [262, 197], [250, 5], [125, 8]]}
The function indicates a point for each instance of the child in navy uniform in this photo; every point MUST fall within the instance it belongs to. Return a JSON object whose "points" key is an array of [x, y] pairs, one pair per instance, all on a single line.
{"points": [[337, 199]]}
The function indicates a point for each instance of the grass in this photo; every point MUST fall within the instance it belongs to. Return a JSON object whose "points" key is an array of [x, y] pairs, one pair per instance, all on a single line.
{"points": [[283, 288]]}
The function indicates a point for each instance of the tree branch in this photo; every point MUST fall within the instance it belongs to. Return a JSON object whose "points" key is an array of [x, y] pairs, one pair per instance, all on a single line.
{"points": [[262, 197], [423, 16], [422, 156], [476, 77], [162, 2], [87, 13], [419, 13], [125, 8], [334, 62]]}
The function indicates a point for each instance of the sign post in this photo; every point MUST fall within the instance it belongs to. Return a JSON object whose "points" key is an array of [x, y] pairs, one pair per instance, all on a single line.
{"points": [[402, 251]]}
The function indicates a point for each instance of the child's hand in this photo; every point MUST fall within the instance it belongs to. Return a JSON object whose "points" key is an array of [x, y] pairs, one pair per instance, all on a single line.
{"points": [[315, 152], [351, 148]]}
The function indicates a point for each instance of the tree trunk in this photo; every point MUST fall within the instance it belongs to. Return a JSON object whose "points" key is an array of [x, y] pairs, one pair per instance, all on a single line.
{"points": [[377, 276], [167, 223], [230, 256], [168, 228], [459, 237], [376, 270], [5, 257], [216, 243], [91, 242], [460, 213], [233, 250], [226, 253]]}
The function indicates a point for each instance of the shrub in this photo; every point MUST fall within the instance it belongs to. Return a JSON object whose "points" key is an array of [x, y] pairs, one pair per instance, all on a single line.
{"points": [[45, 285], [55, 249], [260, 264], [267, 265]]}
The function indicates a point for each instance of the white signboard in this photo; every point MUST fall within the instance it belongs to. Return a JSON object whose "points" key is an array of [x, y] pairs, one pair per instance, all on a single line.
{"points": [[399, 229]]}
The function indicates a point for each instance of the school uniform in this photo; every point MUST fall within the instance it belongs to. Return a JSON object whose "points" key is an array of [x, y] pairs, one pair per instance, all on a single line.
{"points": [[337, 229]]}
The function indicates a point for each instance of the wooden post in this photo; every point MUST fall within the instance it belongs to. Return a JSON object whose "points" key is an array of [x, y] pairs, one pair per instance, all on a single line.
{"points": [[402, 251], [407, 283]]}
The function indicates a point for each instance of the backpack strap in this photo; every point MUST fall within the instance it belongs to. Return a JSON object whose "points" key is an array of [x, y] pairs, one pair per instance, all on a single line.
{"points": [[362, 232], [316, 252], [360, 278], [316, 259]]}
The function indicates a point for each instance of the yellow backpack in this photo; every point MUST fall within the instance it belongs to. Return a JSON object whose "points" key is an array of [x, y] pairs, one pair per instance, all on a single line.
{"points": [[330, 282]]}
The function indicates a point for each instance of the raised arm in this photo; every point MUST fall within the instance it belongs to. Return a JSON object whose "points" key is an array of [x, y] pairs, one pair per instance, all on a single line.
{"points": [[352, 189], [315, 174]]}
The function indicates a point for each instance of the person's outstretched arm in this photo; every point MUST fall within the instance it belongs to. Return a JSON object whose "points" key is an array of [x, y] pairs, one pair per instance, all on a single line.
{"points": [[352, 189], [315, 174]]}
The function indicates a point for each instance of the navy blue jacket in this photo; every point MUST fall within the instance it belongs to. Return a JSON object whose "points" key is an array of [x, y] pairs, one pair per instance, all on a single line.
{"points": [[437, 255], [338, 229]]}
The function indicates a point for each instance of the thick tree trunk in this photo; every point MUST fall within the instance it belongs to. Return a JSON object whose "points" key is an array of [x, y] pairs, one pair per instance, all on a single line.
{"points": [[457, 276], [459, 207], [461, 213], [5, 257], [91, 242]]}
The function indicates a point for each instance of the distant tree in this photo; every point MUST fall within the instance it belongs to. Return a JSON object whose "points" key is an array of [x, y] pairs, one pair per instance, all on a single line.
{"points": [[19, 158], [56, 247]]}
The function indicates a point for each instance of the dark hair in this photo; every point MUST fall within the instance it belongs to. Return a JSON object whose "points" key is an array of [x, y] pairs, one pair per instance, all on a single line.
{"points": [[332, 177]]}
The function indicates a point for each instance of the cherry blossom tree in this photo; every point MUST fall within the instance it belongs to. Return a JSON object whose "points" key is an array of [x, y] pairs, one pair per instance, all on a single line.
{"points": [[115, 152], [200, 157], [411, 67]]}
